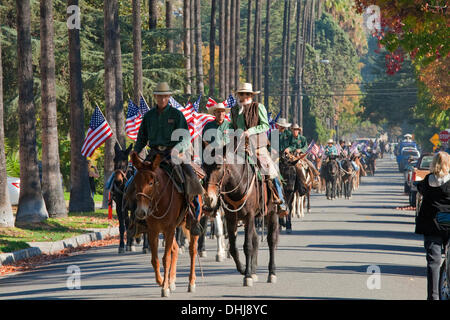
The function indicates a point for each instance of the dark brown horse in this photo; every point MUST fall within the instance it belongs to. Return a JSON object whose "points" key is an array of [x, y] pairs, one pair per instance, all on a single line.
{"points": [[235, 186], [163, 208], [347, 174]]}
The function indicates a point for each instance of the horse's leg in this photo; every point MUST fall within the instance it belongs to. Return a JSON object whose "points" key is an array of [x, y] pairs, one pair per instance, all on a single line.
{"points": [[167, 261], [192, 252], [173, 266], [232, 233], [218, 231], [202, 237], [254, 260], [122, 228], [309, 199], [153, 238], [145, 248], [272, 240], [249, 249]]}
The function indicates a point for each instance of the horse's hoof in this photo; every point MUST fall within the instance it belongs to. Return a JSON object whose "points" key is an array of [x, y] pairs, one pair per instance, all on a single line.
{"points": [[191, 288], [272, 278], [165, 293], [288, 231], [229, 255], [121, 250], [133, 248], [203, 254], [255, 277], [172, 287], [248, 282], [219, 257], [128, 248]]}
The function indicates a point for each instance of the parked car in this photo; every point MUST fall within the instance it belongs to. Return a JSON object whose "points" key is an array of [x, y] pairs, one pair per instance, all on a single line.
{"points": [[404, 155], [421, 169], [13, 189]]}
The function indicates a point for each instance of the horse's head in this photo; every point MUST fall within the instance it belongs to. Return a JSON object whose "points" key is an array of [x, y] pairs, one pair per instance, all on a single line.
{"points": [[213, 179], [332, 167], [146, 184], [121, 162]]}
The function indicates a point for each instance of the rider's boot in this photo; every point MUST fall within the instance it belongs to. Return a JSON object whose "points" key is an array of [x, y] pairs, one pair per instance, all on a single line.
{"points": [[196, 228], [282, 205]]}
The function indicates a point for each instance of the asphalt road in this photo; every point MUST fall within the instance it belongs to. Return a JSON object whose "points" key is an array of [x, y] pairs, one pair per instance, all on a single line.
{"points": [[331, 254]]}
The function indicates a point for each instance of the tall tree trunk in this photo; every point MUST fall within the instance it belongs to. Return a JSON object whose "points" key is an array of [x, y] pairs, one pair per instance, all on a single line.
{"points": [[258, 75], [248, 55], [227, 45], [232, 45], [193, 54], [312, 24], [266, 56], [169, 24], [199, 45], [152, 23], [6, 214], [137, 51], [284, 61], [222, 40], [187, 45], [238, 43], [212, 49], [110, 91], [31, 207], [80, 195], [119, 116], [297, 114], [288, 61], [52, 188]]}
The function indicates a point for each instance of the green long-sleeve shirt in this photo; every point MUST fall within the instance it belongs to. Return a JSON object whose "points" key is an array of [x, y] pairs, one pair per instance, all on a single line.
{"points": [[220, 135], [263, 125], [298, 143], [157, 128]]}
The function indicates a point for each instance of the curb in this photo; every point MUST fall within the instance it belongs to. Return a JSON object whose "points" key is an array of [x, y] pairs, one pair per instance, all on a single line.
{"points": [[38, 248]]}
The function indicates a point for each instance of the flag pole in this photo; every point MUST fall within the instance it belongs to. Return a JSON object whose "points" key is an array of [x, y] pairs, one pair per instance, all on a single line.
{"points": [[115, 135], [140, 92]]}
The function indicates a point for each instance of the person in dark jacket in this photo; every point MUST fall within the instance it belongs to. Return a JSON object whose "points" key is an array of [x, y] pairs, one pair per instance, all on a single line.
{"points": [[435, 189]]}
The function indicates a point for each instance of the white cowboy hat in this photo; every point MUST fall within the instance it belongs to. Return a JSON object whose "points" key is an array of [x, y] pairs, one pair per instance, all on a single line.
{"points": [[162, 88], [330, 141], [246, 88], [219, 105], [408, 135], [296, 127], [283, 123]]}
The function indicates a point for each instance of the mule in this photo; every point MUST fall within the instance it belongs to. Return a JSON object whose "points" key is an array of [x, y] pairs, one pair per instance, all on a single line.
{"points": [[331, 172], [347, 174], [122, 173], [235, 186], [163, 208]]}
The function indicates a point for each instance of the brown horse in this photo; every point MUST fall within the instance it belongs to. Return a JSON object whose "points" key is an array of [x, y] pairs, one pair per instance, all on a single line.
{"points": [[163, 208], [235, 186]]}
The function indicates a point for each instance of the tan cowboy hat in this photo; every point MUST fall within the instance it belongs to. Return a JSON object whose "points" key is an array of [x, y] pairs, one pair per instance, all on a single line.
{"points": [[217, 106], [162, 88], [330, 141], [296, 127], [283, 123], [246, 88]]}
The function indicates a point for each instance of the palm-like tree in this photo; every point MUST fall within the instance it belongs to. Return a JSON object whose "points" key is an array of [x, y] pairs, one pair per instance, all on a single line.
{"points": [[80, 195], [6, 215], [51, 176], [31, 207]]}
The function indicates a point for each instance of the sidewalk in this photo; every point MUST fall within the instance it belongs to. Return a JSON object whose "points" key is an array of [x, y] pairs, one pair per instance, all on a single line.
{"points": [[50, 247]]}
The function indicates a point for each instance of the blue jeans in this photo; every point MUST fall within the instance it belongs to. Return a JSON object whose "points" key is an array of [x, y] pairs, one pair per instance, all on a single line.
{"points": [[433, 248], [279, 189]]}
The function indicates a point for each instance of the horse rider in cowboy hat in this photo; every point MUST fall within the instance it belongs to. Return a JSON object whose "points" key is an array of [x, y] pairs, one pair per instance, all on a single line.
{"points": [[251, 117], [156, 131], [299, 145], [330, 149], [217, 131]]}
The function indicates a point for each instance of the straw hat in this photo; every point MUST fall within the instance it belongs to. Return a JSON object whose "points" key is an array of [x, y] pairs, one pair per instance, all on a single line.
{"points": [[330, 141], [246, 88], [408, 135], [283, 123], [162, 88], [217, 106], [296, 127]]}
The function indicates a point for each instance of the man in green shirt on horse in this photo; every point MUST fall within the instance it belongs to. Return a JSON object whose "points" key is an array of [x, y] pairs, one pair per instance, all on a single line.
{"points": [[165, 130], [251, 118], [216, 132]]}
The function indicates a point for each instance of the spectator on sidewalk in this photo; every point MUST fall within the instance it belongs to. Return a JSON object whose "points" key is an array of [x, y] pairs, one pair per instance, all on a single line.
{"points": [[93, 174], [435, 189]]}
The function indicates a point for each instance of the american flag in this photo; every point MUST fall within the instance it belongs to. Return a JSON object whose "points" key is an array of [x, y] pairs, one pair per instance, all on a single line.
{"points": [[230, 102], [197, 104], [273, 122], [133, 121], [354, 147], [321, 151], [313, 148], [99, 131], [200, 120], [143, 107], [210, 103], [338, 148]]}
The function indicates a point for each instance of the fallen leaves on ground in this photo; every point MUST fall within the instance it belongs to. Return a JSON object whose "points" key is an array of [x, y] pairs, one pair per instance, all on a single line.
{"points": [[406, 208], [33, 262]]}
